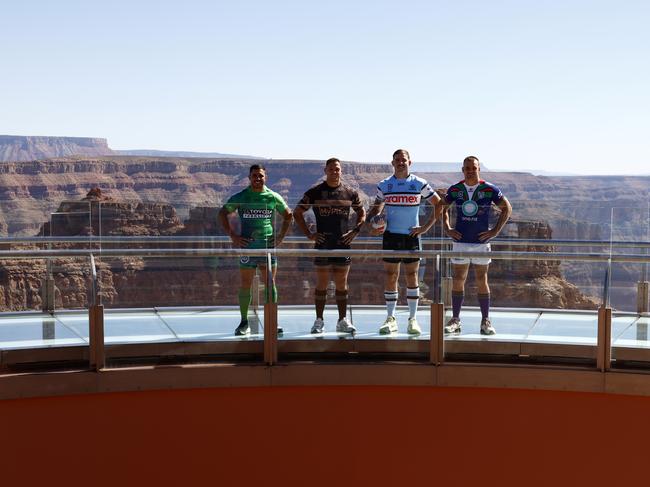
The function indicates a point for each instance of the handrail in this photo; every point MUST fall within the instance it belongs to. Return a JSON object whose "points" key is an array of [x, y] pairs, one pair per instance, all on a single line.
{"points": [[96, 240], [206, 252]]}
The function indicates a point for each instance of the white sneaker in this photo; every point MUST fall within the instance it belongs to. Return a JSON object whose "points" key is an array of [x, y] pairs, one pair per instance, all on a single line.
{"points": [[487, 328], [389, 326], [413, 327], [344, 326], [319, 324], [453, 326]]}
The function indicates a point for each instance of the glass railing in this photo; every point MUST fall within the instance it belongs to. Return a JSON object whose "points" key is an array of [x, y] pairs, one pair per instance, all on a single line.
{"points": [[161, 286]]}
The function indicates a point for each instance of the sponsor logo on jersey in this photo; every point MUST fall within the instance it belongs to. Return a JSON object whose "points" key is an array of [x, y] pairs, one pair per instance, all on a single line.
{"points": [[469, 208], [403, 199], [257, 213], [332, 210]]}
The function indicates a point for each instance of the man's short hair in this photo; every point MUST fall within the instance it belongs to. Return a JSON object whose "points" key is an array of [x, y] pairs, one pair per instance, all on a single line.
{"points": [[255, 167], [471, 158], [404, 151], [331, 160]]}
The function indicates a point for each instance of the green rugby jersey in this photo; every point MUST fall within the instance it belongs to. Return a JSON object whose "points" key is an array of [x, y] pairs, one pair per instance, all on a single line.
{"points": [[256, 214]]}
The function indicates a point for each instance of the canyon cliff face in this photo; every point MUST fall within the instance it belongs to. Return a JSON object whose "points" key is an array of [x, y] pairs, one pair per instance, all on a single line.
{"points": [[146, 190], [30, 148]]}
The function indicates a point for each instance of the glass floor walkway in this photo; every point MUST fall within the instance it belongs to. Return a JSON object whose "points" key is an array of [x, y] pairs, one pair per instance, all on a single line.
{"points": [[547, 333]]}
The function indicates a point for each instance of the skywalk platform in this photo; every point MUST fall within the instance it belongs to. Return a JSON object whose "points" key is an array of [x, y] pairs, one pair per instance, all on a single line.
{"points": [[62, 336]]}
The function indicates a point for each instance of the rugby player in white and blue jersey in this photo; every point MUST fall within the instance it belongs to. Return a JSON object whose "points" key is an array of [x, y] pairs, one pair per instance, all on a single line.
{"points": [[401, 196], [473, 199]]}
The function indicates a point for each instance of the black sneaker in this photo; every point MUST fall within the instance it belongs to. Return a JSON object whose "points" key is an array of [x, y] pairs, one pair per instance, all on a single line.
{"points": [[243, 328]]}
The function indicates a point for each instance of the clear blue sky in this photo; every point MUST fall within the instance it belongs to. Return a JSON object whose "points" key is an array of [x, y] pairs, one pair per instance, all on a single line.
{"points": [[555, 85]]}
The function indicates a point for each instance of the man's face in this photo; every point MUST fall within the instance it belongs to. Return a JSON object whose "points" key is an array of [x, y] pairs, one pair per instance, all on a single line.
{"points": [[401, 163], [471, 171], [257, 178], [333, 173]]}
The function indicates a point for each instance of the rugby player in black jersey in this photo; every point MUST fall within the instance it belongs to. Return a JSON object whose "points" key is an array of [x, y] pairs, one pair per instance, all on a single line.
{"points": [[331, 202]]}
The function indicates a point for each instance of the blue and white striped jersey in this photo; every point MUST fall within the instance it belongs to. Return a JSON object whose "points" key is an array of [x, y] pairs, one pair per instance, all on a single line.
{"points": [[401, 198]]}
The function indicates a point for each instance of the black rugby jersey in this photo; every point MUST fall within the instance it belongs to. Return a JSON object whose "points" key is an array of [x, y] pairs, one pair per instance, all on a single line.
{"points": [[331, 207]]}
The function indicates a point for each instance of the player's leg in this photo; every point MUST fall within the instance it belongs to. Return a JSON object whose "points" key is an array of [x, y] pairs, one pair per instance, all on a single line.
{"points": [[320, 293], [246, 274], [412, 295], [340, 272], [271, 296], [459, 276], [481, 275], [391, 277]]}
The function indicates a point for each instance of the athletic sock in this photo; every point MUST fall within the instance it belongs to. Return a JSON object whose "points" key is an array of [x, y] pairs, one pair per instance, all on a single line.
{"points": [[342, 303], [412, 298], [484, 303], [244, 302], [391, 302], [457, 298], [320, 298]]}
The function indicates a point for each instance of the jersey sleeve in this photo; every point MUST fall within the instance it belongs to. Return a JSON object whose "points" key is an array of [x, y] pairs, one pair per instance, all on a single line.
{"points": [[356, 201], [379, 196], [450, 194], [497, 195], [427, 191], [232, 204], [307, 199], [280, 204]]}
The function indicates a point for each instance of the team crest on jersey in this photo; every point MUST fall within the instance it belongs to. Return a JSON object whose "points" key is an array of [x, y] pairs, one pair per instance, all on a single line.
{"points": [[390, 186], [412, 186], [469, 208]]}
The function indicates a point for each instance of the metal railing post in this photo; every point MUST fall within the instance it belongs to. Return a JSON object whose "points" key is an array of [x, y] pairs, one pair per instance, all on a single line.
{"points": [[604, 343], [642, 297], [48, 289], [96, 355], [270, 319], [437, 341]]}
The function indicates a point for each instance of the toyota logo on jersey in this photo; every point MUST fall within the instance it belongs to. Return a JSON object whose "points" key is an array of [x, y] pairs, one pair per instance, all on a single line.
{"points": [[402, 199]]}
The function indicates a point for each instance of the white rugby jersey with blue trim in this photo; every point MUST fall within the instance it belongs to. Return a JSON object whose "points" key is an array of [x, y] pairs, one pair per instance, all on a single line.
{"points": [[402, 198]]}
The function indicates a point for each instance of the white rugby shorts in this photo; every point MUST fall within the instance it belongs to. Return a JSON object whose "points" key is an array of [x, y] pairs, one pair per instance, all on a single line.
{"points": [[471, 247]]}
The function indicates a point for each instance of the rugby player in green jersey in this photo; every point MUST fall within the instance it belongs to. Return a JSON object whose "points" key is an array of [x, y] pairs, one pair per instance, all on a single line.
{"points": [[255, 206]]}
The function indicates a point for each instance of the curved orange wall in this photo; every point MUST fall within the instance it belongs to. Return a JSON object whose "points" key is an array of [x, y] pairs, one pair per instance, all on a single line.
{"points": [[326, 436]]}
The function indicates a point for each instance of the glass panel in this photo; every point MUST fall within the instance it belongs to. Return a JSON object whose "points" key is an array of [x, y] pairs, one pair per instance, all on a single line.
{"points": [[629, 224], [25, 218], [204, 325], [36, 331], [22, 284], [565, 328], [141, 327]]}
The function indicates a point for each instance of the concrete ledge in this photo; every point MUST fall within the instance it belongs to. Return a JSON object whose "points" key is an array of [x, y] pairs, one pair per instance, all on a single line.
{"points": [[463, 375]]}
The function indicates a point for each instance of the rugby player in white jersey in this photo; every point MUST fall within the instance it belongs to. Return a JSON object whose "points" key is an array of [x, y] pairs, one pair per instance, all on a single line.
{"points": [[401, 195]]}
